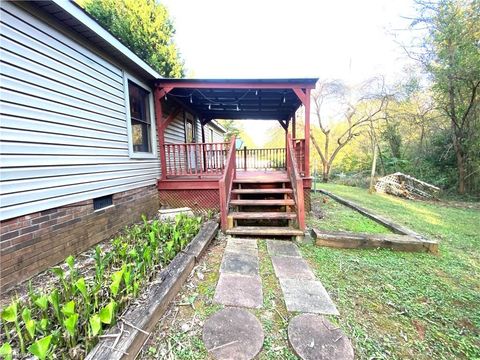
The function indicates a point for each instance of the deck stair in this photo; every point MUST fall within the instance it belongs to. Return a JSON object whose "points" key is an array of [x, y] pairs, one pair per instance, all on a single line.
{"points": [[263, 206]]}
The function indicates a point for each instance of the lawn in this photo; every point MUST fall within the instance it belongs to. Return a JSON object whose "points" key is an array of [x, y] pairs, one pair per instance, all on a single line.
{"points": [[398, 305], [328, 214]]}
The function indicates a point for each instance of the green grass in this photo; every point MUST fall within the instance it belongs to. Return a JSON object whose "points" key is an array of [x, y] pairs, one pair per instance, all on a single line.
{"points": [[341, 218], [398, 305]]}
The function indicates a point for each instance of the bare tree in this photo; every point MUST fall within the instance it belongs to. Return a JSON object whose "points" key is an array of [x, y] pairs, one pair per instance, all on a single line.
{"points": [[450, 54], [356, 114]]}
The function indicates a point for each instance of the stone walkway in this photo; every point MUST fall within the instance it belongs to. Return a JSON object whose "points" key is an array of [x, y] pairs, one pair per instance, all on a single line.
{"points": [[239, 283], [301, 291], [234, 333]]}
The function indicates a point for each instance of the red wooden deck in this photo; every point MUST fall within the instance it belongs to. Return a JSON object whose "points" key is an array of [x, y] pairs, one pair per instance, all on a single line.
{"points": [[206, 176]]}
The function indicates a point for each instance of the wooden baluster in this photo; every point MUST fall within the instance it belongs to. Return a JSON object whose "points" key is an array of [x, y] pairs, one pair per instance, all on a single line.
{"points": [[167, 159]]}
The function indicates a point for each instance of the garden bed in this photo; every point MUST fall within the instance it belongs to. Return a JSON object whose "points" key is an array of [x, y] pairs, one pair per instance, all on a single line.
{"points": [[84, 298]]}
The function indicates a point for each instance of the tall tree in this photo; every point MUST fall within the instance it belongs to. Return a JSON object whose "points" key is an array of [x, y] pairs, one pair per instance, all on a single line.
{"points": [[145, 27], [451, 54], [353, 116]]}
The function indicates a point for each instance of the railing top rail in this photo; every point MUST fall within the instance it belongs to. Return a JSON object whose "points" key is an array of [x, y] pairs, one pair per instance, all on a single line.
{"points": [[292, 157], [205, 143]]}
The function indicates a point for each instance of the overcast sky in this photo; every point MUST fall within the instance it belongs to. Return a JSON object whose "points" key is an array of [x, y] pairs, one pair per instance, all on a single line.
{"points": [[337, 39]]}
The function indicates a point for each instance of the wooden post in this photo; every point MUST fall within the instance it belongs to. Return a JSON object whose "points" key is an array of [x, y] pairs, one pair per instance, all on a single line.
{"points": [[294, 127], [160, 132], [245, 158], [307, 133], [204, 155]]}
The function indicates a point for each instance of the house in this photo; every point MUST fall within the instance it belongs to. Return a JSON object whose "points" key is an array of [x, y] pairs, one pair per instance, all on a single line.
{"points": [[92, 137], [80, 156]]}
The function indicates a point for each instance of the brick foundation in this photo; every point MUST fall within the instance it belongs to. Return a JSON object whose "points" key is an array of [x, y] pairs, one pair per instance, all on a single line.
{"points": [[32, 243]]}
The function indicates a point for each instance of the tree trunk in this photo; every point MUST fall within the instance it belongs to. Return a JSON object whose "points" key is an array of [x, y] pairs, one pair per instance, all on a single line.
{"points": [[460, 157], [372, 174], [460, 165], [325, 172]]}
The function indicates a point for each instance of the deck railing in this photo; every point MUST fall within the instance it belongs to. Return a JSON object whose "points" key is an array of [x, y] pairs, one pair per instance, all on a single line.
{"points": [[299, 151], [195, 158], [297, 182], [225, 183], [273, 158]]}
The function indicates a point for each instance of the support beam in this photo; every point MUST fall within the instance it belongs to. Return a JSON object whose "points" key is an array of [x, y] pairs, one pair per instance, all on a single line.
{"points": [[301, 95], [164, 91], [239, 84], [166, 121], [157, 98], [294, 127], [284, 124], [307, 133]]}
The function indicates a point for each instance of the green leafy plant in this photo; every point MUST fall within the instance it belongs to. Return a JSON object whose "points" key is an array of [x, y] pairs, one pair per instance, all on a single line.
{"points": [[6, 351], [30, 324], [95, 324], [10, 315], [40, 348], [107, 313], [74, 313]]}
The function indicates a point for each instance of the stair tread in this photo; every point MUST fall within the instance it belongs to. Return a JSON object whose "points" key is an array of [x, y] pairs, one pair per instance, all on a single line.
{"points": [[264, 230], [261, 181], [263, 215], [263, 191], [263, 202]]}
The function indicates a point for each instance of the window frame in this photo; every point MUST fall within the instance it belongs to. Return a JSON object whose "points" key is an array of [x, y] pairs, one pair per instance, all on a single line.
{"points": [[193, 121], [153, 131]]}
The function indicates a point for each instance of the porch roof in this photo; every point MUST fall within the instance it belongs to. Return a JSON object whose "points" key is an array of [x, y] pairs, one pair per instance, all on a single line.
{"points": [[267, 99]]}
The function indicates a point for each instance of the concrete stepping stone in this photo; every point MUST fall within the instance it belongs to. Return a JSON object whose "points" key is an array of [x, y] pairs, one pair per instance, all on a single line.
{"points": [[282, 248], [233, 334], [307, 296], [240, 246], [252, 243], [288, 267], [312, 337], [239, 290], [239, 263]]}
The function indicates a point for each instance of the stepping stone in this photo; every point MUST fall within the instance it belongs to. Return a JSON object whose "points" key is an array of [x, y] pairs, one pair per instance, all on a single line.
{"points": [[248, 247], [251, 243], [312, 337], [233, 334], [239, 290], [288, 267], [307, 296], [282, 248], [237, 263]]}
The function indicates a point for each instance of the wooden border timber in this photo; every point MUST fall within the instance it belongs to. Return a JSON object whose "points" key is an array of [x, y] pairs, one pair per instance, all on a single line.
{"points": [[409, 235], [350, 240], [158, 297], [397, 229]]}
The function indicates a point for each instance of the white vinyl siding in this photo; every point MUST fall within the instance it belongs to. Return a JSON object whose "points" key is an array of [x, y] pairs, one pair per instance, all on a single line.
{"points": [[175, 134], [64, 135]]}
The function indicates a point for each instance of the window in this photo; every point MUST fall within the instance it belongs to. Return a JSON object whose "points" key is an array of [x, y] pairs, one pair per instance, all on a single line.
{"points": [[140, 118], [189, 130]]}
